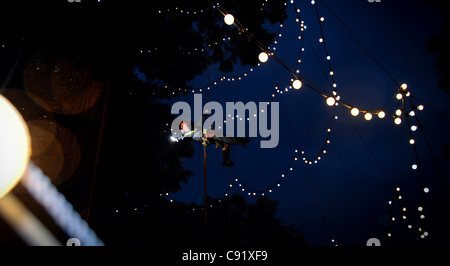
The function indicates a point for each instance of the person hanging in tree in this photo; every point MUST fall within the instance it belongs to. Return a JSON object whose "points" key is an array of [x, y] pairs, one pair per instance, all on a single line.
{"points": [[209, 136]]}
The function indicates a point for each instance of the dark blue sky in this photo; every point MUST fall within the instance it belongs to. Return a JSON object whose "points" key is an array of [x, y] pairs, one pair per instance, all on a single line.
{"points": [[351, 190]]}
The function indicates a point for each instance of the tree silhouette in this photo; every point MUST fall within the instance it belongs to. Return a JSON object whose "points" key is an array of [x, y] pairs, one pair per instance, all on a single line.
{"points": [[438, 44], [179, 224]]}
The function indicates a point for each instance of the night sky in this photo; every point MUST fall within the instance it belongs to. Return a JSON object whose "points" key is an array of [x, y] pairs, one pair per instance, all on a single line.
{"points": [[345, 196]]}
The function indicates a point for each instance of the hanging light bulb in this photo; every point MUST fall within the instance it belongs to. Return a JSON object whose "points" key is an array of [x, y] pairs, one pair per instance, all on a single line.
{"points": [[354, 111], [420, 107], [413, 128], [412, 141], [229, 19], [398, 112], [414, 166], [404, 86], [398, 121], [331, 101], [368, 116], [399, 96], [297, 84], [263, 57]]}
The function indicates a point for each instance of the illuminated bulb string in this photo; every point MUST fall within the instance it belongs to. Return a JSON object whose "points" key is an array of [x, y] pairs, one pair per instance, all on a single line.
{"points": [[322, 40], [406, 214], [40, 187], [401, 95], [413, 128]]}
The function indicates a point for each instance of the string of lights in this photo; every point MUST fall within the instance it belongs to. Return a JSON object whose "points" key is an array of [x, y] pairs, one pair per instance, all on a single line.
{"points": [[334, 101], [322, 40], [403, 95]]}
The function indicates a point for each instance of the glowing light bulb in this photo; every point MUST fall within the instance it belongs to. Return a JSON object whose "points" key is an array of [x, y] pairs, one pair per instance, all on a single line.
{"points": [[368, 116], [354, 111], [404, 86], [420, 107], [398, 112], [322, 19], [420, 208], [412, 113], [15, 143], [229, 19], [399, 96], [381, 114], [412, 141], [321, 40], [297, 84], [263, 57], [426, 190], [413, 128], [397, 121], [331, 101], [414, 166]]}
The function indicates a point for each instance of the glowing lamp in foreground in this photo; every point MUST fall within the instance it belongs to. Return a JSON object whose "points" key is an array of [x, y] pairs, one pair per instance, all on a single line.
{"points": [[297, 84], [229, 19], [15, 146]]}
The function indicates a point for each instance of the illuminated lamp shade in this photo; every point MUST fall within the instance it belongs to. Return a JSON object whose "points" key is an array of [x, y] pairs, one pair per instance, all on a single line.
{"points": [[354, 111], [331, 101], [15, 146], [229, 19], [263, 57], [297, 84]]}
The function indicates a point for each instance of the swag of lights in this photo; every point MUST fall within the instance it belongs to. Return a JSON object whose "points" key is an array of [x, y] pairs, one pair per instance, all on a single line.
{"points": [[402, 95]]}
